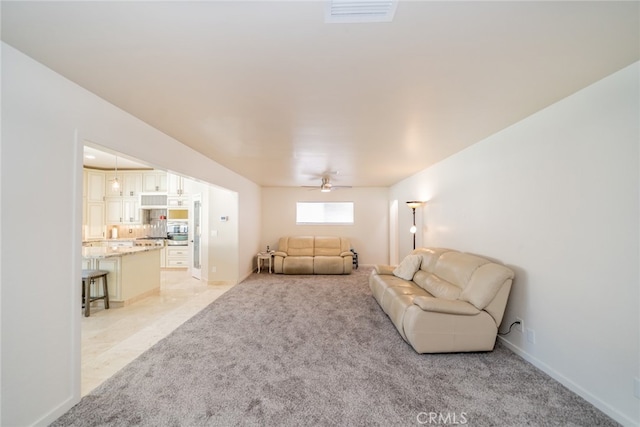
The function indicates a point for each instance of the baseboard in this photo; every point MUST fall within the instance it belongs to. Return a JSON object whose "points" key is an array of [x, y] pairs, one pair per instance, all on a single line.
{"points": [[246, 276], [586, 395], [57, 412]]}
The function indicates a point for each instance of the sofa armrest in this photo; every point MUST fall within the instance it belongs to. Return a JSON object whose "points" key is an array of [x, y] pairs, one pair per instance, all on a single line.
{"points": [[440, 305], [278, 253], [384, 269], [346, 253]]}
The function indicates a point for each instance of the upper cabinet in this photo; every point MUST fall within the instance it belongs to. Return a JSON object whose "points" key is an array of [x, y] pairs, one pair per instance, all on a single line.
{"points": [[122, 210], [105, 205], [175, 185], [132, 184], [93, 204], [154, 182], [129, 183], [95, 186]]}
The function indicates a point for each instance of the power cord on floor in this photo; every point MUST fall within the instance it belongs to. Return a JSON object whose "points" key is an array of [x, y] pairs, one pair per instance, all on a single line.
{"points": [[517, 322]]}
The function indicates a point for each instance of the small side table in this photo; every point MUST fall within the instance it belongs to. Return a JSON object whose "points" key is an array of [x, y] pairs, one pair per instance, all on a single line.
{"points": [[262, 256]]}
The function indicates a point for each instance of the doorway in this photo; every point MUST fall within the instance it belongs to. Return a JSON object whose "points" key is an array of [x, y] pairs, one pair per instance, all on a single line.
{"points": [[196, 226]]}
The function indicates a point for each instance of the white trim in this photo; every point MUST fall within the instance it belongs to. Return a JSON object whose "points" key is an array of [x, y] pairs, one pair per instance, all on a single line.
{"points": [[585, 394]]}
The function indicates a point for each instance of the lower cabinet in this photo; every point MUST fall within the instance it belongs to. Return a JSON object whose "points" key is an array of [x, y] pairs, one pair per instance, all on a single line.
{"points": [[163, 258], [177, 257], [114, 279], [131, 276]]}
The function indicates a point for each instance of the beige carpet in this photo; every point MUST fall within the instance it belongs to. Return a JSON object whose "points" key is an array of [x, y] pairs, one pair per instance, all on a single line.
{"points": [[317, 350]]}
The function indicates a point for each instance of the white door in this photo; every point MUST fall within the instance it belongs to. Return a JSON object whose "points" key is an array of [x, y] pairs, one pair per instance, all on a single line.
{"points": [[196, 229]]}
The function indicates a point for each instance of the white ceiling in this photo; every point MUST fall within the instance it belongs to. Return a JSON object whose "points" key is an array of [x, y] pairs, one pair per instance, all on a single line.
{"points": [[271, 91]]}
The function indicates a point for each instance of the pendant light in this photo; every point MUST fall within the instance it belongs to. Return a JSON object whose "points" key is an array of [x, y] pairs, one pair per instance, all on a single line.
{"points": [[115, 185]]}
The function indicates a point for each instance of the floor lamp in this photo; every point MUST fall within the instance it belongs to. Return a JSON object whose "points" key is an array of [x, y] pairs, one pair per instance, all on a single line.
{"points": [[413, 205]]}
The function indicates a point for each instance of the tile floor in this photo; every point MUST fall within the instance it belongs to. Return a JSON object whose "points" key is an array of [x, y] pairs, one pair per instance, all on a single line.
{"points": [[113, 338]]}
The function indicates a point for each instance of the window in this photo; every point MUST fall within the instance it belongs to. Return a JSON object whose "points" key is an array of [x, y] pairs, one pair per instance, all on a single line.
{"points": [[324, 213]]}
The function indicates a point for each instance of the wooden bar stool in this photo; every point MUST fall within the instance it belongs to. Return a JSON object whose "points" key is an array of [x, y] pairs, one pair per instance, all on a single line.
{"points": [[89, 277]]}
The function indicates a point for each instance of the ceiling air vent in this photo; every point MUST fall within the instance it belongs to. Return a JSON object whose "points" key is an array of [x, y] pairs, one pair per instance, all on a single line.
{"points": [[354, 11]]}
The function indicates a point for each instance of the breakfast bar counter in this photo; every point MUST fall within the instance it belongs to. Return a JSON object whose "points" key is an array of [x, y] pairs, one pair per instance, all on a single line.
{"points": [[134, 272]]}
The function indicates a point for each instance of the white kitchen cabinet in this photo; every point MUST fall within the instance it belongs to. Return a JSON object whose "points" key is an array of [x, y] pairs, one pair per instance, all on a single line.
{"points": [[177, 257], [163, 257], [178, 202], [175, 185], [122, 210], [95, 186], [110, 177], [113, 207], [132, 185], [94, 226], [154, 182], [131, 210], [85, 185], [131, 277], [93, 204], [112, 265]]}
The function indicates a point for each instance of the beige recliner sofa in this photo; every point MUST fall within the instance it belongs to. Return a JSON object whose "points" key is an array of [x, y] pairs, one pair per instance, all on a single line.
{"points": [[313, 255], [442, 300]]}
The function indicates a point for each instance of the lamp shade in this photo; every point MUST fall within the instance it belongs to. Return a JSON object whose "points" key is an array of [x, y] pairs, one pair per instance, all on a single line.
{"points": [[414, 204]]}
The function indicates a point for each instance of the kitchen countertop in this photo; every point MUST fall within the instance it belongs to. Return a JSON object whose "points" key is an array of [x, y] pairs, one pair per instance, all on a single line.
{"points": [[110, 251]]}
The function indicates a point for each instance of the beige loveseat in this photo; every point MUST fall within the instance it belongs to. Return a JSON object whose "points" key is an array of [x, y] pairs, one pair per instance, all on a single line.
{"points": [[444, 300], [313, 255]]}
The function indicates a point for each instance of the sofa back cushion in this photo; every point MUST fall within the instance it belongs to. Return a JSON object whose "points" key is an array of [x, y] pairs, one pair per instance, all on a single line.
{"points": [[298, 246], [436, 286], [330, 246], [478, 279], [429, 257], [457, 267], [485, 283]]}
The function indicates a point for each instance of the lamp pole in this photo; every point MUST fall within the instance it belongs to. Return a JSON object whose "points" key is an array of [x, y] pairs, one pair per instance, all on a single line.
{"points": [[413, 205], [414, 228]]}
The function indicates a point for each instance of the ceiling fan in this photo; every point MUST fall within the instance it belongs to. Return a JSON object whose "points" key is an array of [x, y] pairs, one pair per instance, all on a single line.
{"points": [[326, 185]]}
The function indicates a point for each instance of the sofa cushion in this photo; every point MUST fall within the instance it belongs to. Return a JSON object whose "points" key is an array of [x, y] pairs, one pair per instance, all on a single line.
{"points": [[300, 246], [328, 265], [328, 246], [430, 257], [436, 286], [440, 305], [485, 283], [457, 268], [298, 265], [384, 269], [408, 267]]}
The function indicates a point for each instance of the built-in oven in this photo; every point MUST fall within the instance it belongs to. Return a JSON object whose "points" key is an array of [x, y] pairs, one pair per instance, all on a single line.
{"points": [[177, 233]]}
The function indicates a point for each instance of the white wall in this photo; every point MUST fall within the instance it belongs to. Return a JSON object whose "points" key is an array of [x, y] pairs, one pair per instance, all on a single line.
{"points": [[368, 235], [45, 121], [223, 236], [556, 197]]}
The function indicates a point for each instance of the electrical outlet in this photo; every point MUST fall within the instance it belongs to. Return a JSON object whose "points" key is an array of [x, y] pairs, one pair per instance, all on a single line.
{"points": [[531, 336], [214, 269], [519, 327]]}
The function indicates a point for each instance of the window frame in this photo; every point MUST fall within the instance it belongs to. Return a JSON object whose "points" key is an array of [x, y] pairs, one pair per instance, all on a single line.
{"points": [[349, 211]]}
